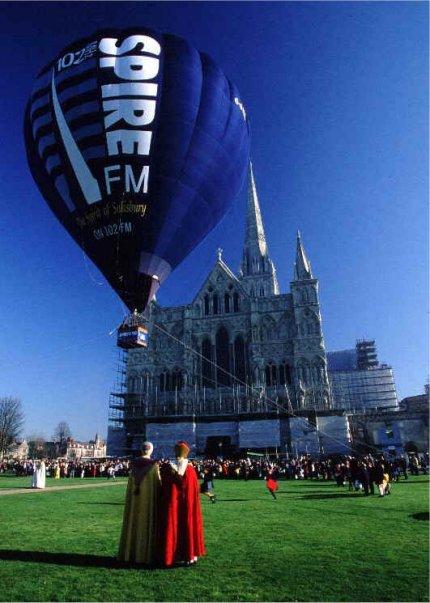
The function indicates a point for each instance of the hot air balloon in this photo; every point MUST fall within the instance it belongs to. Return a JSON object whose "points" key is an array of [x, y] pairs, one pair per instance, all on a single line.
{"points": [[139, 144]]}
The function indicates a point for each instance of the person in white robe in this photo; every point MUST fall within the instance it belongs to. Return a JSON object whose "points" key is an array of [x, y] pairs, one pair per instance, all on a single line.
{"points": [[39, 475], [34, 476]]}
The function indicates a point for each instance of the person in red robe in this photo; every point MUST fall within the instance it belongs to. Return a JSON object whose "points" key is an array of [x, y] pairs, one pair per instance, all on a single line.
{"points": [[180, 533], [272, 482]]}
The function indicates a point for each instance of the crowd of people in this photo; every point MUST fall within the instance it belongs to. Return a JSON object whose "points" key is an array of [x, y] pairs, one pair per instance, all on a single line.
{"points": [[345, 470], [338, 468], [61, 468], [369, 474]]}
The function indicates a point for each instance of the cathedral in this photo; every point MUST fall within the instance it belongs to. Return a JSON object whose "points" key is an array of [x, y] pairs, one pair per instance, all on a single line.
{"points": [[242, 367]]}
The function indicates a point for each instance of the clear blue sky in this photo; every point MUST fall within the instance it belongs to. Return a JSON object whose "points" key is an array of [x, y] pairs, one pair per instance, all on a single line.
{"points": [[337, 95]]}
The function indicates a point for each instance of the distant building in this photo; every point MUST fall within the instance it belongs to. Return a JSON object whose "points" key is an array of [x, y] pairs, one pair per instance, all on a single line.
{"points": [[358, 382], [419, 403], [94, 449], [404, 429], [18, 450]]}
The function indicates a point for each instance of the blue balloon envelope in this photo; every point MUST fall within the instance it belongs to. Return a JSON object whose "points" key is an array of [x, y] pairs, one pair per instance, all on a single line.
{"points": [[139, 144]]}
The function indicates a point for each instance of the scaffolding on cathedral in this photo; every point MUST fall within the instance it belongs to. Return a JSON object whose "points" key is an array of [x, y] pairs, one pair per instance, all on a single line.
{"points": [[137, 401]]}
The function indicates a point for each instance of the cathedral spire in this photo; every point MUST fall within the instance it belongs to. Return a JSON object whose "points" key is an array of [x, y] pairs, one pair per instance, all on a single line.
{"points": [[302, 266], [254, 237], [257, 270]]}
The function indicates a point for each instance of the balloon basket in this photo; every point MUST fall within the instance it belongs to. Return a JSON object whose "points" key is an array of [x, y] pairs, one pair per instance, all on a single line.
{"points": [[132, 333]]}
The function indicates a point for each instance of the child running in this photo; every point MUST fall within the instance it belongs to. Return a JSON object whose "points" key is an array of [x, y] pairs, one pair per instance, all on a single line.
{"points": [[271, 482], [207, 486]]}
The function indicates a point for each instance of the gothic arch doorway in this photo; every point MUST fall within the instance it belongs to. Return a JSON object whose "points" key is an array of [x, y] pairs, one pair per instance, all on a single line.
{"points": [[217, 446], [223, 356]]}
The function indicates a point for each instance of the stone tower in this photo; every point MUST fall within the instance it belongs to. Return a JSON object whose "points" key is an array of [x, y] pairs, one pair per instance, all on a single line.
{"points": [[310, 364]]}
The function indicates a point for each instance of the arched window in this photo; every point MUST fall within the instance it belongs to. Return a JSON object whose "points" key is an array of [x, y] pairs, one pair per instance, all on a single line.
{"points": [[215, 303], [223, 356], [282, 374], [268, 375], [177, 379], [226, 303], [168, 382], [235, 302], [206, 304], [162, 382], [274, 375], [207, 366], [288, 374], [240, 358]]}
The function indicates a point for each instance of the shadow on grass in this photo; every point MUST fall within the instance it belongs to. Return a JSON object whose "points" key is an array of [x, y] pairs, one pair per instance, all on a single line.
{"points": [[334, 495], [114, 504], [414, 481], [75, 559], [16, 488], [421, 516], [224, 500], [305, 483]]}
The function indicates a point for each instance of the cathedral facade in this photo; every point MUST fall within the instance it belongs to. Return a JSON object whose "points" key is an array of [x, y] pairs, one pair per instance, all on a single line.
{"points": [[242, 366]]}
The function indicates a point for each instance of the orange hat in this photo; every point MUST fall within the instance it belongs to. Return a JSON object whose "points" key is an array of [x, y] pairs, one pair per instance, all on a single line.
{"points": [[181, 448]]}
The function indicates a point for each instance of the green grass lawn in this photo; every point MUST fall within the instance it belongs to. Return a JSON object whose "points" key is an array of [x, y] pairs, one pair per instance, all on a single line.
{"points": [[11, 481], [315, 543]]}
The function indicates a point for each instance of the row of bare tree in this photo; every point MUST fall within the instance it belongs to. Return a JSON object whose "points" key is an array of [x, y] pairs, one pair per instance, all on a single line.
{"points": [[11, 423]]}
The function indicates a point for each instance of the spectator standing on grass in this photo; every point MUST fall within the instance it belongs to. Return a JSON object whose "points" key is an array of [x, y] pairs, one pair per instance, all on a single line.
{"points": [[386, 482], [139, 527], [207, 485], [379, 477], [72, 469], [414, 464], [363, 476], [56, 471], [424, 463], [180, 530], [39, 475], [371, 468]]}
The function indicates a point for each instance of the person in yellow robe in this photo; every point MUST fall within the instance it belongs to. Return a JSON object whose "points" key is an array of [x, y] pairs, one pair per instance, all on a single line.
{"points": [[139, 530]]}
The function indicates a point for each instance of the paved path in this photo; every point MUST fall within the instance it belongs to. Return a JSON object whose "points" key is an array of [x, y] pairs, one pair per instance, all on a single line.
{"points": [[6, 491]]}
